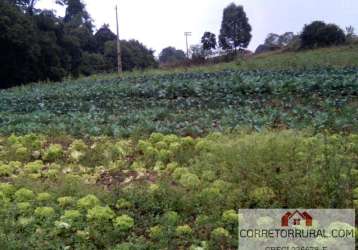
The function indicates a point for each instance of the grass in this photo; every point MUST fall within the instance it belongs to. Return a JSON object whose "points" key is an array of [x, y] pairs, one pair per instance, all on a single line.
{"points": [[344, 56]]}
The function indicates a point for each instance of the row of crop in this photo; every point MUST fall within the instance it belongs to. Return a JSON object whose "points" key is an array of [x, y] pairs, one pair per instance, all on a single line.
{"points": [[165, 190], [334, 115], [43, 221], [81, 96], [186, 105], [231, 161]]}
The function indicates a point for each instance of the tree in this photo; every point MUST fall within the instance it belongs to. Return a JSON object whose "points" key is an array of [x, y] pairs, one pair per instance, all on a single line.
{"points": [[76, 14], [134, 55], [110, 55], [72, 55], [198, 54], [27, 5], [235, 28], [279, 40], [274, 42], [92, 63], [171, 55], [208, 41], [19, 48], [350, 33], [49, 33], [78, 33], [103, 35], [287, 38], [37, 46], [319, 34], [272, 39]]}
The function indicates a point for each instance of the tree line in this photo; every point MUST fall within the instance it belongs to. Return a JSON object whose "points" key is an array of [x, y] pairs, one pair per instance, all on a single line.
{"points": [[38, 45], [235, 36], [314, 35]]}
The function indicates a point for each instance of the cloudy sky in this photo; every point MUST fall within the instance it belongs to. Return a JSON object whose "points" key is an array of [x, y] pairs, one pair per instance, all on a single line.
{"points": [[162, 23]]}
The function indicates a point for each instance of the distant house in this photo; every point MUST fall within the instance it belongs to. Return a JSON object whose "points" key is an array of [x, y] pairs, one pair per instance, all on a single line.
{"points": [[263, 48]]}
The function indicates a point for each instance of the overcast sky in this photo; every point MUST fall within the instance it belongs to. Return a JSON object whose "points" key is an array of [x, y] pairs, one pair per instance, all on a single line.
{"points": [[162, 23]]}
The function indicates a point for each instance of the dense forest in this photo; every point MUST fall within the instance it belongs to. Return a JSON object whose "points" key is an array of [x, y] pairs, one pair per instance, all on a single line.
{"points": [[38, 45]]}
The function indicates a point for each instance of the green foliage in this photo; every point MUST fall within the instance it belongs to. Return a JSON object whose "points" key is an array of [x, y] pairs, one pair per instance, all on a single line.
{"points": [[71, 215], [77, 150], [155, 232], [168, 188], [103, 35], [7, 189], [287, 41], [171, 218], [55, 47], [53, 152], [100, 214], [262, 196], [3, 199], [43, 197], [186, 104], [235, 28], [230, 216], [192, 201], [335, 57], [189, 180], [208, 41], [88, 202], [184, 230], [171, 55], [5, 170], [44, 212], [123, 223], [34, 167], [24, 207], [123, 204], [136, 56], [92, 63], [24, 194], [18, 40], [179, 172], [319, 34], [220, 233]]}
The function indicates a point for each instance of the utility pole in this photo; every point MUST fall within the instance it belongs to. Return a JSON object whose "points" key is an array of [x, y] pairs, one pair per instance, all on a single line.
{"points": [[119, 56], [186, 34]]}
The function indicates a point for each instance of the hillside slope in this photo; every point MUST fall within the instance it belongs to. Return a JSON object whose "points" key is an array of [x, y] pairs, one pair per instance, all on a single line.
{"points": [[284, 90], [82, 165], [343, 56]]}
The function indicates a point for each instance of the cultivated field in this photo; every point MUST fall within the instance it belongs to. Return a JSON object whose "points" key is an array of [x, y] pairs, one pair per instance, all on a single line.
{"points": [[160, 159]]}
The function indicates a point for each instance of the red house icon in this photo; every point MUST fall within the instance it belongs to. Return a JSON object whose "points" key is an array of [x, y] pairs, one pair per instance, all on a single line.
{"points": [[296, 218]]}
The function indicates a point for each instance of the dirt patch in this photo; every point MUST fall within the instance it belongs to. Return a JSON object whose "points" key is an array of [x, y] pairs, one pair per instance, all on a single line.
{"points": [[116, 179], [6, 180], [65, 142]]}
